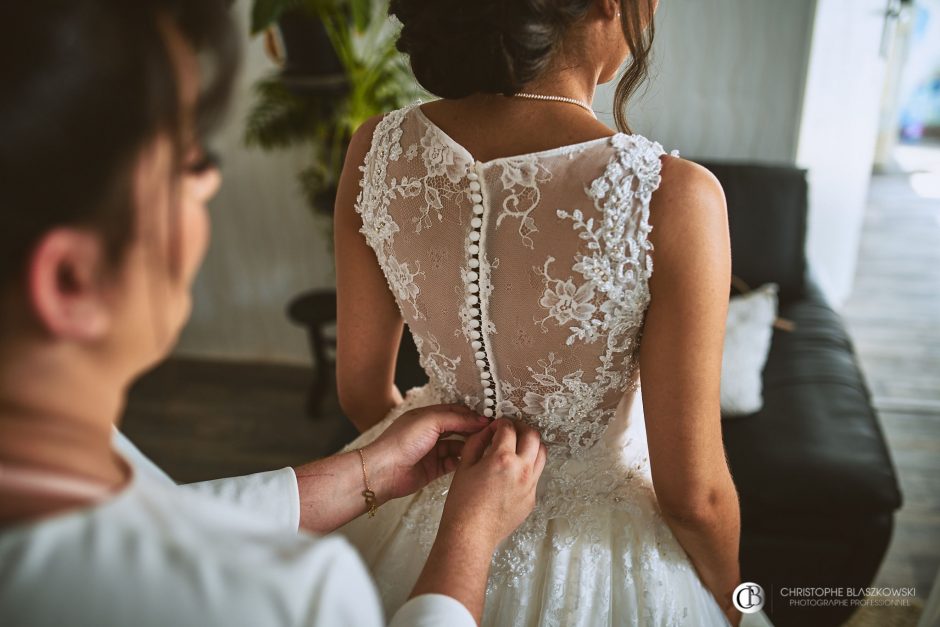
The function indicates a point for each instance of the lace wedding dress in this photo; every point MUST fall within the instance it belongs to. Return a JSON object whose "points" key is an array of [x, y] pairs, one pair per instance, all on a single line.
{"points": [[524, 282]]}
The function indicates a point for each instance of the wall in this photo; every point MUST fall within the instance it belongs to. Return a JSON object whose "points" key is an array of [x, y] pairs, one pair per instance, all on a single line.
{"points": [[727, 80], [266, 246], [838, 135]]}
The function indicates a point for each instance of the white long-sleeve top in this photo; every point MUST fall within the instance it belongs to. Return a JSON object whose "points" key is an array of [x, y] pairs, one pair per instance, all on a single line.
{"points": [[224, 552]]}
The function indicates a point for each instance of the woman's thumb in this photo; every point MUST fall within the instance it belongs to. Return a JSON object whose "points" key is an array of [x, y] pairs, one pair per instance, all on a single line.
{"points": [[476, 444]]}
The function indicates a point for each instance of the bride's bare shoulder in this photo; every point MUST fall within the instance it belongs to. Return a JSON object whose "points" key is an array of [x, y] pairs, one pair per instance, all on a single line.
{"points": [[684, 180], [688, 213], [688, 194], [361, 139]]}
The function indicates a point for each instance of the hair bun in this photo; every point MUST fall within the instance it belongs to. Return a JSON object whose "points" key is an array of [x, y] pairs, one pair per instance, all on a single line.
{"points": [[458, 48]]}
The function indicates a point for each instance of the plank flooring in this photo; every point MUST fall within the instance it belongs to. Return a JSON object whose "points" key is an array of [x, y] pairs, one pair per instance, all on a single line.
{"points": [[203, 420], [893, 316]]}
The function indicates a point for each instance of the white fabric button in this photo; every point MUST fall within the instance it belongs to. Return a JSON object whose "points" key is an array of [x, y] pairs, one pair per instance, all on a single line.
{"points": [[481, 363], [474, 263], [476, 223], [475, 324], [473, 176], [474, 288], [474, 312], [474, 249], [473, 276], [486, 383], [489, 402], [475, 335], [477, 198], [472, 299], [478, 209], [488, 412], [485, 374], [474, 186], [474, 236], [479, 355], [489, 392], [476, 344]]}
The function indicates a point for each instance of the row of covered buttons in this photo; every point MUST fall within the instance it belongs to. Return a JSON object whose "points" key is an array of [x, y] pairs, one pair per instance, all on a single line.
{"points": [[476, 335]]}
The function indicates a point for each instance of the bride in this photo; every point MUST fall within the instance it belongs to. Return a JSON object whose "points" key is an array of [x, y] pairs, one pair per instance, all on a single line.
{"points": [[516, 236]]}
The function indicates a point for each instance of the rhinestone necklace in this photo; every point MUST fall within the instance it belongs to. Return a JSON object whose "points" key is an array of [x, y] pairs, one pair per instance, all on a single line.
{"points": [[573, 101]]}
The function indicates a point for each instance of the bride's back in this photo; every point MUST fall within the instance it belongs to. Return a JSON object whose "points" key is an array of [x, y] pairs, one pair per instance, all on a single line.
{"points": [[522, 278], [517, 248]]}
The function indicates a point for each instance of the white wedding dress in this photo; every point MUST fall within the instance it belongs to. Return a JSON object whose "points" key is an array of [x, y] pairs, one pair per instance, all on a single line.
{"points": [[524, 282]]}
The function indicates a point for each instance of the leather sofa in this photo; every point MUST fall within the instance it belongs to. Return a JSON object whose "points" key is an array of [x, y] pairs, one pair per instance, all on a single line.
{"points": [[816, 482]]}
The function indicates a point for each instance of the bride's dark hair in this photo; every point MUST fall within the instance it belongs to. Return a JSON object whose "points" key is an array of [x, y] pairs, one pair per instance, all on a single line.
{"points": [[458, 48]]}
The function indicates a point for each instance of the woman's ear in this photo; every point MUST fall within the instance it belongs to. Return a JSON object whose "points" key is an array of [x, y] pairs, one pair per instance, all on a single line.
{"points": [[66, 290], [610, 9]]}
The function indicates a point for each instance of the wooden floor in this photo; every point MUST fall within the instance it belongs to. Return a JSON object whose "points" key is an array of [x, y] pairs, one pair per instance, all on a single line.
{"points": [[893, 316], [204, 420]]}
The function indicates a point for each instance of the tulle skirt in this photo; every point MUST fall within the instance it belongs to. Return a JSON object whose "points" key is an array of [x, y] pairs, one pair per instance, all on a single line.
{"points": [[596, 550]]}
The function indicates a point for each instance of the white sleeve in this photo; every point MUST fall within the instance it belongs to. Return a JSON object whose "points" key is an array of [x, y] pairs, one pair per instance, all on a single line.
{"points": [[273, 494], [342, 593], [433, 610]]}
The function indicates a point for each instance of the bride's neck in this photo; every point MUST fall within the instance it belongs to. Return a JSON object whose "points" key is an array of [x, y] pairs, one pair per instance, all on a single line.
{"points": [[565, 79]]}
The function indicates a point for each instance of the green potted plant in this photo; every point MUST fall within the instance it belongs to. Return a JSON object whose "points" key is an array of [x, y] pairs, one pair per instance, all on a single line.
{"points": [[339, 67]]}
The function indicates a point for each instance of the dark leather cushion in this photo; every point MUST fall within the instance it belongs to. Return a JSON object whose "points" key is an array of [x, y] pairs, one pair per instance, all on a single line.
{"points": [[816, 445], [767, 208]]}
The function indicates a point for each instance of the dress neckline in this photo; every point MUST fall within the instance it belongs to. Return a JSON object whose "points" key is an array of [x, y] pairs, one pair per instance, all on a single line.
{"points": [[548, 152]]}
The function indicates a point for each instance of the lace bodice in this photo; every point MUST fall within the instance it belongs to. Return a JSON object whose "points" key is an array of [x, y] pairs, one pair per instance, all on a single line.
{"points": [[523, 280]]}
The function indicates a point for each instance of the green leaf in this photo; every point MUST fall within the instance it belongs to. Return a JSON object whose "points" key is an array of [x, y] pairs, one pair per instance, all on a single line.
{"points": [[265, 12], [279, 118], [361, 11], [378, 76]]}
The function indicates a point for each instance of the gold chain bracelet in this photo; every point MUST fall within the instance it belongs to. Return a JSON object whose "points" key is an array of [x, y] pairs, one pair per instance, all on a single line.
{"points": [[368, 494]]}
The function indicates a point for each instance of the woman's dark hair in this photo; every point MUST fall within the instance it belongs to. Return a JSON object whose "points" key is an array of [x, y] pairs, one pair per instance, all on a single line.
{"points": [[87, 84], [458, 48]]}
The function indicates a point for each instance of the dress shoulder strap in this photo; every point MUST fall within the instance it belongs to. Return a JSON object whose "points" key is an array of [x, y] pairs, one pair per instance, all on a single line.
{"points": [[372, 201], [631, 177]]}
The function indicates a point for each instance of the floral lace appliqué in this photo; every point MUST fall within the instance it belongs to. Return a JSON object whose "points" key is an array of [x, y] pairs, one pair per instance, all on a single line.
{"points": [[607, 303], [521, 177], [372, 204]]}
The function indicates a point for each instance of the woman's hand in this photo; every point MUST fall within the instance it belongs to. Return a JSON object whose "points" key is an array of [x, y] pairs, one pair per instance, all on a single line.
{"points": [[493, 490], [410, 453], [492, 493], [405, 458]]}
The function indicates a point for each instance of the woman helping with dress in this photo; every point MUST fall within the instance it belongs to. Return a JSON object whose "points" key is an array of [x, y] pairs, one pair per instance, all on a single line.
{"points": [[103, 227], [516, 236]]}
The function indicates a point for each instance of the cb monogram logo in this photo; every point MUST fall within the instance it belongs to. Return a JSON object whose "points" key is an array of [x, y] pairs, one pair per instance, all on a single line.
{"points": [[748, 598]]}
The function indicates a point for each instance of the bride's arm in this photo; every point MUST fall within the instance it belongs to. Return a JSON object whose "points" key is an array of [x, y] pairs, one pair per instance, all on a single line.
{"points": [[368, 323], [680, 365]]}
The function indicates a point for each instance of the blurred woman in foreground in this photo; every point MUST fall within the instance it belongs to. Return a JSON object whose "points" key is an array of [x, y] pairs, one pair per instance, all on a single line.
{"points": [[102, 229]]}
